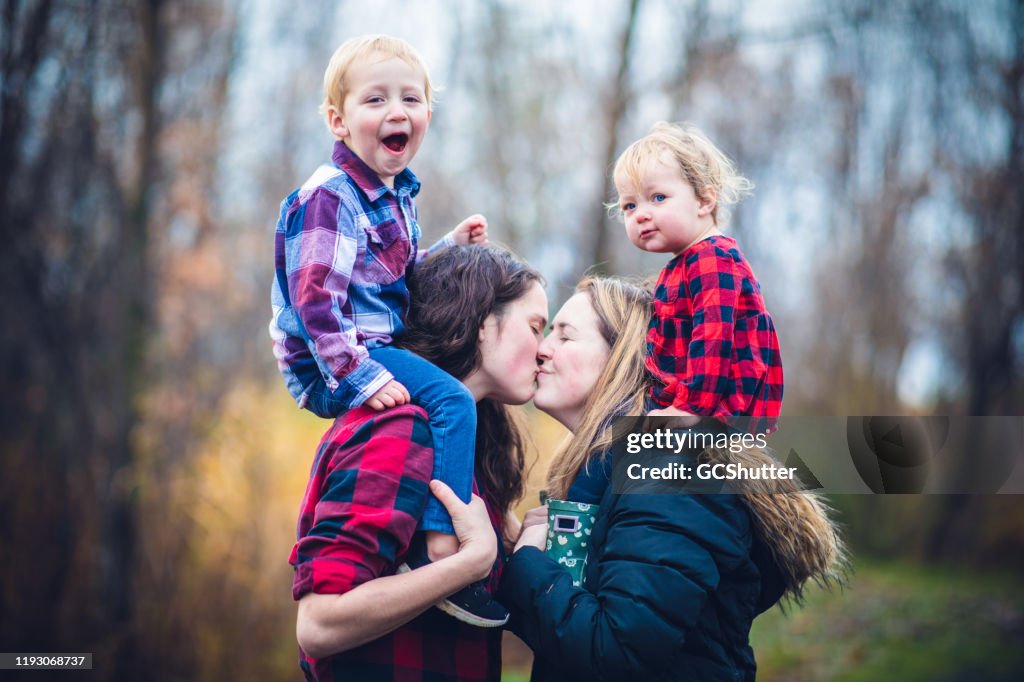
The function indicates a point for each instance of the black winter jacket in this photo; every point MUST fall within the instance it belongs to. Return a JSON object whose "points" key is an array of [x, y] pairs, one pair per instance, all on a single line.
{"points": [[672, 586]]}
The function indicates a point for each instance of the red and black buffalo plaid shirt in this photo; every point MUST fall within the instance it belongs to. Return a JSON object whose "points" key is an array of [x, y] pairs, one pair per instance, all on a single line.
{"points": [[711, 343], [365, 495]]}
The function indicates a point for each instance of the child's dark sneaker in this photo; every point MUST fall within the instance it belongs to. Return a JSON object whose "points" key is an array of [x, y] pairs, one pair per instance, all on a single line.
{"points": [[472, 604]]}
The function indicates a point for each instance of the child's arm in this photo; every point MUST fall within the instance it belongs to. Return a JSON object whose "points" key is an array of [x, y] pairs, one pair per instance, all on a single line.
{"points": [[472, 230], [320, 269]]}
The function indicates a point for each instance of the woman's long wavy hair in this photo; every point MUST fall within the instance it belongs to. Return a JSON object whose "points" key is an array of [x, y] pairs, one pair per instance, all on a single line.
{"points": [[623, 311], [451, 294]]}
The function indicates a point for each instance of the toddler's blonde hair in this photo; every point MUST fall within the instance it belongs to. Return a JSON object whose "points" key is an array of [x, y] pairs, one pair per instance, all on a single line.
{"points": [[363, 47], [702, 164]]}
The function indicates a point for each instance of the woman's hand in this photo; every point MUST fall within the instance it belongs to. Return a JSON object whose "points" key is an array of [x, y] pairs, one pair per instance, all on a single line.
{"points": [[472, 527], [536, 516], [535, 529], [533, 536]]}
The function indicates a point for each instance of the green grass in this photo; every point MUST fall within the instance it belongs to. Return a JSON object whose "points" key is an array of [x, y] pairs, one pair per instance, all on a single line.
{"points": [[515, 676], [898, 621], [893, 621]]}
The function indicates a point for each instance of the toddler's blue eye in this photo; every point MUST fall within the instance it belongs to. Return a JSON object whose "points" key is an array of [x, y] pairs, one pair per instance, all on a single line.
{"points": [[628, 206], [660, 197]]}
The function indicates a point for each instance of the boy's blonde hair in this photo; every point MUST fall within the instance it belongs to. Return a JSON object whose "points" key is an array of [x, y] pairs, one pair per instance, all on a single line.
{"points": [[702, 164], [362, 47]]}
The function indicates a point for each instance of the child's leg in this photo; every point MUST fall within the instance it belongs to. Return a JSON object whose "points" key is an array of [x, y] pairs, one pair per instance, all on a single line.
{"points": [[452, 414], [451, 410], [441, 545]]}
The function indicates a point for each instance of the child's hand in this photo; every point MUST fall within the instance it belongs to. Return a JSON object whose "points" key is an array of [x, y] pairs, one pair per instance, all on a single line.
{"points": [[472, 230], [686, 418], [393, 393]]}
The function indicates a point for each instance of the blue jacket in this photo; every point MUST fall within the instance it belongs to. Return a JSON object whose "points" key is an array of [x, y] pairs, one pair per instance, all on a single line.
{"points": [[673, 583]]}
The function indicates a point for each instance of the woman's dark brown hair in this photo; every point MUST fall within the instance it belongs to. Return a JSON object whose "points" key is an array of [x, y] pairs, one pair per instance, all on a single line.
{"points": [[451, 294]]}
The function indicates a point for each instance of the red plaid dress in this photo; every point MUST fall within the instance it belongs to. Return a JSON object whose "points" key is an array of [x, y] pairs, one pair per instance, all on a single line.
{"points": [[366, 491], [711, 343]]}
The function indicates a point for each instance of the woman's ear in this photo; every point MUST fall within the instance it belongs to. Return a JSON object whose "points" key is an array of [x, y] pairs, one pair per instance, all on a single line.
{"points": [[707, 201], [485, 336]]}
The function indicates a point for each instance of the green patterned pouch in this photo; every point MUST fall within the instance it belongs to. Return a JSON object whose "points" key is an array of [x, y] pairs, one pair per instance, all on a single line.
{"points": [[569, 527]]}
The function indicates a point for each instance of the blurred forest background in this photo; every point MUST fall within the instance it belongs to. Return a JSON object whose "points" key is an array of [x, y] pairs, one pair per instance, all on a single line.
{"points": [[152, 461]]}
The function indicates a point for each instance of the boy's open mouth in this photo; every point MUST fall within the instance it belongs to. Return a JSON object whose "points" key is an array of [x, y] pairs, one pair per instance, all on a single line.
{"points": [[396, 142]]}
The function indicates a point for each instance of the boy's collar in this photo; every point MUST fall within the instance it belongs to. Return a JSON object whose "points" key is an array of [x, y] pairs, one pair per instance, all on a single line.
{"points": [[366, 179]]}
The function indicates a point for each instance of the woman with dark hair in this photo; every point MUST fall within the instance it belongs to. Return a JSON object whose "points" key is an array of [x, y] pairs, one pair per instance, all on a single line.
{"points": [[672, 581], [479, 313]]}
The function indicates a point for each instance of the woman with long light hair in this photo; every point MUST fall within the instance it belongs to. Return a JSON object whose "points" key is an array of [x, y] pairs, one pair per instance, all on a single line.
{"points": [[672, 581]]}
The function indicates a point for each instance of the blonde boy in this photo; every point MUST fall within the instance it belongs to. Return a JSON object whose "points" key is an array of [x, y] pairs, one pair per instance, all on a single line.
{"points": [[345, 242]]}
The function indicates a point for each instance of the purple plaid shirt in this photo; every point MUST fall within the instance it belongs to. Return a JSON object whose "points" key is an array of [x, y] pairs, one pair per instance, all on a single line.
{"points": [[343, 247]]}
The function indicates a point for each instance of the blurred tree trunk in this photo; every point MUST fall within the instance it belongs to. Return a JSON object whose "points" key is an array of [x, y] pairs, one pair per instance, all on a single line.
{"points": [[956, 84], [994, 310], [22, 34], [77, 278], [865, 312], [35, 495], [991, 271], [602, 255], [134, 279], [692, 44], [82, 194]]}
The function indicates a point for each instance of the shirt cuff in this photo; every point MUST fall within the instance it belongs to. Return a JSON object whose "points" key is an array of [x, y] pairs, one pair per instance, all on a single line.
{"points": [[443, 243], [367, 378], [323, 576]]}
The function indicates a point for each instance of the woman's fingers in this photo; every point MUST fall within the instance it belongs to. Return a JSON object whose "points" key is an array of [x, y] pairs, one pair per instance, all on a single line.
{"points": [[472, 527], [468, 519], [448, 498], [536, 516], [534, 536]]}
